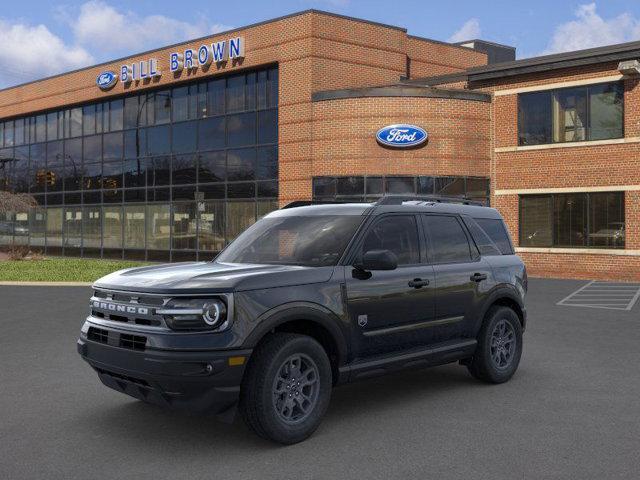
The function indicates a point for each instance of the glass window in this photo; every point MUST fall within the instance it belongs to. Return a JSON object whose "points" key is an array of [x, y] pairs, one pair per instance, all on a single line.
{"points": [[241, 190], [235, 93], [73, 227], [272, 88], [184, 137], [211, 133], [211, 227], [135, 143], [8, 134], [92, 149], [112, 175], [72, 164], [241, 164], [37, 226], [398, 234], [102, 117], [180, 102], [54, 227], [350, 186], [212, 167], [606, 220], [112, 225], [426, 185], [162, 107], [112, 145], [485, 245], [52, 126], [241, 129], [92, 227], [215, 97], [41, 129], [184, 169], [268, 126], [6, 228], [268, 189], [374, 186], [267, 167], [89, 120], [184, 226], [116, 115], [314, 241], [570, 115], [400, 185], [261, 89], [324, 187], [158, 227], [478, 189], [158, 140], [21, 169], [250, 91], [92, 178], [496, 231], [536, 221], [135, 172], [201, 102], [606, 106], [38, 177], [161, 171], [134, 226], [592, 112], [570, 220], [75, 122], [447, 241], [450, 186], [19, 132], [240, 215], [131, 112]]}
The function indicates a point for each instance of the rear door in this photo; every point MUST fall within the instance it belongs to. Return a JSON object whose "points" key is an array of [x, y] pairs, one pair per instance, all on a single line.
{"points": [[462, 276]]}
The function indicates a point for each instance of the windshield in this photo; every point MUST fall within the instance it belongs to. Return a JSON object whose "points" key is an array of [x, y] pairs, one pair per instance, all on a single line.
{"points": [[314, 241]]}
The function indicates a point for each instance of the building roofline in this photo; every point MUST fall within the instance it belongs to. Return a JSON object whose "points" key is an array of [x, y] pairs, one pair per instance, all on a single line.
{"points": [[441, 42], [400, 90], [556, 61], [436, 79], [225, 32], [495, 44]]}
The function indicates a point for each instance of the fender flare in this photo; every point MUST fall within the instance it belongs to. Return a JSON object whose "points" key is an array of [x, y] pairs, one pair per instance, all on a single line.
{"points": [[498, 293], [301, 311]]}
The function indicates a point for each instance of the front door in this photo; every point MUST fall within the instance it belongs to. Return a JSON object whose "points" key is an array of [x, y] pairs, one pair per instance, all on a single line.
{"points": [[391, 309]]}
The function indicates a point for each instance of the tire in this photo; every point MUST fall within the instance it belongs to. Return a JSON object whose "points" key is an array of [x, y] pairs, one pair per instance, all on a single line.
{"points": [[276, 405], [495, 360]]}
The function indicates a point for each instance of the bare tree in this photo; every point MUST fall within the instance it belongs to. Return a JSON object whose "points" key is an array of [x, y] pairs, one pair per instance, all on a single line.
{"points": [[16, 202]]}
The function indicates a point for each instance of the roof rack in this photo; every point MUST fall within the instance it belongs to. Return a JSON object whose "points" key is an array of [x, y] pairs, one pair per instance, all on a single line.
{"points": [[307, 203], [400, 199]]}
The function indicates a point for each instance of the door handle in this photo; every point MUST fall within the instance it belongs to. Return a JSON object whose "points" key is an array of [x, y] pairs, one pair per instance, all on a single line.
{"points": [[478, 277], [418, 283]]}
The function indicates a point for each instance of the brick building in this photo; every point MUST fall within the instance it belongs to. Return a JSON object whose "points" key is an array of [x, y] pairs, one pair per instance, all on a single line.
{"points": [[169, 154]]}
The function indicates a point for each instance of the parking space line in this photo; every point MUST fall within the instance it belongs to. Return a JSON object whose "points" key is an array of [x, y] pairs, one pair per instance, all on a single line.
{"points": [[613, 296]]}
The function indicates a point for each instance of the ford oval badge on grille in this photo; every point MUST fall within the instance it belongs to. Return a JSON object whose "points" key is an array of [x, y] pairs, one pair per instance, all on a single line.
{"points": [[401, 136], [106, 80]]}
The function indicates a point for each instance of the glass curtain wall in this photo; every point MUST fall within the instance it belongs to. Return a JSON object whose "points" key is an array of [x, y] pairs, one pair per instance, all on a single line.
{"points": [[172, 174]]}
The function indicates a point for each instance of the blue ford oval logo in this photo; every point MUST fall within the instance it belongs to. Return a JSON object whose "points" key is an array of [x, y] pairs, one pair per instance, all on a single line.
{"points": [[106, 80], [401, 136]]}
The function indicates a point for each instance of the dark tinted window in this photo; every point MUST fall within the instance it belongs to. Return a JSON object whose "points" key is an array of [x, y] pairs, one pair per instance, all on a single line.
{"points": [[184, 137], [397, 234], [211, 133], [481, 239], [448, 242], [496, 231], [534, 118]]}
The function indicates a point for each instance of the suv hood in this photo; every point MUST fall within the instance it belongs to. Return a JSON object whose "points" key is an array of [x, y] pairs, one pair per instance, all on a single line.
{"points": [[204, 277]]}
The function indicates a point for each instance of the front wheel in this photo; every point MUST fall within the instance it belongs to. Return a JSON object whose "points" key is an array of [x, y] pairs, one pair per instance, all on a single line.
{"points": [[499, 349], [287, 388]]}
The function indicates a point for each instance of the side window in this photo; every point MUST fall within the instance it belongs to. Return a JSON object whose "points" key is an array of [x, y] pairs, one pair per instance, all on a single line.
{"points": [[449, 243], [494, 228], [398, 234], [484, 243]]}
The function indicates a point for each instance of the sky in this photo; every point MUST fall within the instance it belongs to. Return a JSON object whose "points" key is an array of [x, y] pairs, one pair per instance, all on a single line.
{"points": [[39, 38]]}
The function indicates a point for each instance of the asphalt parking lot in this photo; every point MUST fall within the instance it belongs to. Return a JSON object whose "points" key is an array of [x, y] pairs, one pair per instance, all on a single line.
{"points": [[571, 411]]}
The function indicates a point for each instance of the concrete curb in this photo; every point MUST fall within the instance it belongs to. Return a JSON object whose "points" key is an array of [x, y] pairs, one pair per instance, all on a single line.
{"points": [[47, 284]]}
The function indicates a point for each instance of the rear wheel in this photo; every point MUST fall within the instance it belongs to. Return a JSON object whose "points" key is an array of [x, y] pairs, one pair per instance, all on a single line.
{"points": [[287, 388], [499, 347]]}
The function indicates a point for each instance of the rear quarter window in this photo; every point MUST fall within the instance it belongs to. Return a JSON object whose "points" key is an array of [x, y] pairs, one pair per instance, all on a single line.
{"points": [[496, 231]]}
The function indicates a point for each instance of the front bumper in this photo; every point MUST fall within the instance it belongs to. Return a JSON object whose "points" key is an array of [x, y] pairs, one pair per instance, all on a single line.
{"points": [[199, 381]]}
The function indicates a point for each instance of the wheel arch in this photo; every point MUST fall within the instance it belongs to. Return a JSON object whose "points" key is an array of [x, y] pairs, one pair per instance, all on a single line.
{"points": [[307, 319], [505, 297]]}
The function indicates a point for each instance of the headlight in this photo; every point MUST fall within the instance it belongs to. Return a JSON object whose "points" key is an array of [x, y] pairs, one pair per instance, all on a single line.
{"points": [[195, 314]]}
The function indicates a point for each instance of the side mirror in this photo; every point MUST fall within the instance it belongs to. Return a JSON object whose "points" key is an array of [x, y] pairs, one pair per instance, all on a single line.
{"points": [[379, 260]]}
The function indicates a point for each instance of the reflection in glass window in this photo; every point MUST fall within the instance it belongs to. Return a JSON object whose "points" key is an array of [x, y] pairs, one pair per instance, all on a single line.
{"points": [[184, 226], [216, 97], [158, 227], [116, 115], [92, 227], [267, 167], [162, 107], [159, 140], [92, 149], [184, 137], [399, 185], [241, 129], [184, 169], [112, 226], [606, 107], [131, 112], [54, 227], [180, 103], [398, 234], [112, 145], [448, 242], [212, 167], [450, 186], [134, 226], [240, 215], [37, 226], [570, 115], [235, 93], [211, 227], [211, 133], [241, 164]]}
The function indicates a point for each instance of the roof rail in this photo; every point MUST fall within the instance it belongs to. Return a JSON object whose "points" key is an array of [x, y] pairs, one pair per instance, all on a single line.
{"points": [[400, 199], [307, 203]]}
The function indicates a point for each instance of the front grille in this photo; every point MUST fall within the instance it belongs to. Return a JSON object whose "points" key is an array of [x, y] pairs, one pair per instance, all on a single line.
{"points": [[133, 342], [128, 308], [126, 378], [98, 335]]}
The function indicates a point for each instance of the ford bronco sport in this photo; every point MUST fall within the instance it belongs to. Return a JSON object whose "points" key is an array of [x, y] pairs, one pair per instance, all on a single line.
{"points": [[310, 297]]}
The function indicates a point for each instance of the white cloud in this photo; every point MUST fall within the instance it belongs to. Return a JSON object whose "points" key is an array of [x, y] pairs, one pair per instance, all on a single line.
{"points": [[589, 29], [469, 31], [28, 52], [108, 30]]}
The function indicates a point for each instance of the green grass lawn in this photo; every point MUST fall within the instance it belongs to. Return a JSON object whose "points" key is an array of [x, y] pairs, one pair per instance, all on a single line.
{"points": [[60, 269]]}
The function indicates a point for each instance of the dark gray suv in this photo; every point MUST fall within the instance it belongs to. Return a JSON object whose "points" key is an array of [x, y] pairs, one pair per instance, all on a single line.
{"points": [[310, 297]]}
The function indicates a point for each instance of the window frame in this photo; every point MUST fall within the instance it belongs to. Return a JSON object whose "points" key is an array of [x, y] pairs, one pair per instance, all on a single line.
{"points": [[552, 93], [588, 196]]}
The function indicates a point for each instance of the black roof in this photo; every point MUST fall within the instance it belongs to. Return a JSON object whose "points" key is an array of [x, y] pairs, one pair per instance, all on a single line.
{"points": [[590, 56]]}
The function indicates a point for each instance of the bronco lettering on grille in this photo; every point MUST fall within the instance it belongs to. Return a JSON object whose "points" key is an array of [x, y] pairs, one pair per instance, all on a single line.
{"points": [[114, 307]]}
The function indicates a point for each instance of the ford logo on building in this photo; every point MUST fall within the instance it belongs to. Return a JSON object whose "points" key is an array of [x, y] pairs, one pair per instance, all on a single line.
{"points": [[401, 136], [106, 80]]}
